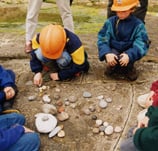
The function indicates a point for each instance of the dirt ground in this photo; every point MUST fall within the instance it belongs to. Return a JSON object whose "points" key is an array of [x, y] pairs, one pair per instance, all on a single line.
{"points": [[122, 111]]}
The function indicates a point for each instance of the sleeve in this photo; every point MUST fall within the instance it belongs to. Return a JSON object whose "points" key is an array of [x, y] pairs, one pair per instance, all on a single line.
{"points": [[5, 78], [154, 86], [10, 136], [140, 44], [103, 42], [145, 139], [35, 64]]}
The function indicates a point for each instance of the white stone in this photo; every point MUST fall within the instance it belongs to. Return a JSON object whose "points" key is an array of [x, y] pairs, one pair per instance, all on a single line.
{"points": [[45, 123], [61, 133], [54, 131], [109, 100], [99, 122], [49, 108], [105, 124], [109, 130], [63, 116], [117, 129], [46, 98], [102, 103]]}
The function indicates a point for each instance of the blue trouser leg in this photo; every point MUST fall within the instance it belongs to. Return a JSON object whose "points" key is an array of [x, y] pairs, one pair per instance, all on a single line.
{"points": [[28, 142], [128, 145], [8, 120]]}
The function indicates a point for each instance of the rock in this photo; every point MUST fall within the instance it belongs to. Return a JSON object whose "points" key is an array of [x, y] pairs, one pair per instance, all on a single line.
{"points": [[102, 104], [109, 130], [87, 94], [94, 117], [117, 129], [86, 111], [92, 108], [109, 100], [54, 131], [105, 124], [102, 128], [95, 130], [46, 98], [49, 108], [63, 116], [45, 123], [32, 98], [61, 133], [56, 96], [99, 122], [100, 97], [72, 99]]}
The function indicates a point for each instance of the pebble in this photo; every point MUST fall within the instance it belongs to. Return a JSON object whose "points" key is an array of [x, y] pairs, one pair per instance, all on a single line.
{"points": [[56, 96], [94, 117], [99, 122], [29, 83], [72, 99], [105, 124], [67, 103], [87, 94], [86, 111], [95, 130], [45, 123], [109, 100], [32, 98], [63, 116], [117, 129], [61, 133], [92, 108], [102, 128], [57, 90], [102, 104], [54, 131], [109, 130], [100, 97], [49, 108], [46, 98]]}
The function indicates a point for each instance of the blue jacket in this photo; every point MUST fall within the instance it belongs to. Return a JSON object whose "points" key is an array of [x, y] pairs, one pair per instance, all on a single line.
{"points": [[10, 136], [7, 78], [128, 36], [74, 47]]}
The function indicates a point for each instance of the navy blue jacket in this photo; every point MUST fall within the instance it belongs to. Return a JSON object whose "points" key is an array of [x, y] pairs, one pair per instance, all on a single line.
{"points": [[75, 49], [128, 36]]}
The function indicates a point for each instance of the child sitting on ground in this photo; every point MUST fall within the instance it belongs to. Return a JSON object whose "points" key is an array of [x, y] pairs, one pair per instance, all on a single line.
{"points": [[123, 40], [8, 90], [58, 51]]}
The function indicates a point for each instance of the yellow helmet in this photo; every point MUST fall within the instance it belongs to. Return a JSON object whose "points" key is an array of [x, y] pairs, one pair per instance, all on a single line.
{"points": [[52, 41], [124, 5]]}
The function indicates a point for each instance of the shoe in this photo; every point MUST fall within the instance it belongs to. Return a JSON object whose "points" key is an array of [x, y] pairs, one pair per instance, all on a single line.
{"points": [[28, 47], [109, 71], [132, 74], [11, 110]]}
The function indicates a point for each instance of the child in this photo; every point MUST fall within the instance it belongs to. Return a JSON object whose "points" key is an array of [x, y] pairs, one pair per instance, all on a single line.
{"points": [[58, 51], [123, 40], [14, 136], [145, 135], [8, 90]]}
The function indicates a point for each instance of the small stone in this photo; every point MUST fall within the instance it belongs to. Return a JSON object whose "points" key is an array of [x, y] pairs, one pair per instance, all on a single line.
{"points": [[29, 83], [94, 117], [92, 108], [105, 124], [49, 108], [46, 98], [56, 96], [102, 128], [72, 99], [63, 116], [99, 122], [44, 87], [61, 109], [95, 130], [67, 103], [54, 131], [109, 130], [87, 111], [109, 100], [100, 97], [117, 129], [61, 133], [101, 133], [59, 103], [32, 98], [87, 94], [73, 105], [102, 104], [57, 90]]}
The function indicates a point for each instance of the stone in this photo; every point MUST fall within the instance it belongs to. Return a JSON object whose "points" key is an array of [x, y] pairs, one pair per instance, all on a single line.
{"points": [[117, 129], [102, 104], [99, 122], [46, 98], [54, 131], [63, 116], [49, 108], [87, 94], [61, 133], [72, 99], [32, 97], [45, 123], [109, 130]]}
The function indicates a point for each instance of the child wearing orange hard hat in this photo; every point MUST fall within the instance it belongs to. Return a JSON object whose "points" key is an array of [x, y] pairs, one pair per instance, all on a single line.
{"points": [[58, 51], [122, 40]]}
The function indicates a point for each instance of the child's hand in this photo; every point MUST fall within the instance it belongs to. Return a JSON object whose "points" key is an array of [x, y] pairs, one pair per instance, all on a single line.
{"points": [[38, 79], [9, 92], [111, 59], [27, 130], [124, 59], [144, 122], [54, 76]]}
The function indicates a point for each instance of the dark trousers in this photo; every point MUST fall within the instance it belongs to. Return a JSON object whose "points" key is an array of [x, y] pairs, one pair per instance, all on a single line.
{"points": [[140, 11]]}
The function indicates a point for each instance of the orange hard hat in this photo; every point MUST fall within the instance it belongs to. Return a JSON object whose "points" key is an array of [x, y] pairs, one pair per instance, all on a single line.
{"points": [[124, 5], [52, 41]]}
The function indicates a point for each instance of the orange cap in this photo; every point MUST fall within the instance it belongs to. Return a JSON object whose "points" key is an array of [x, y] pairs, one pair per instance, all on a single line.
{"points": [[52, 41], [124, 5]]}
